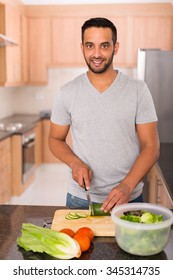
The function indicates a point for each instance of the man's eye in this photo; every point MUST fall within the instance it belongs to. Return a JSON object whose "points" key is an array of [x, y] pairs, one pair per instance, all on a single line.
{"points": [[105, 46], [89, 46]]}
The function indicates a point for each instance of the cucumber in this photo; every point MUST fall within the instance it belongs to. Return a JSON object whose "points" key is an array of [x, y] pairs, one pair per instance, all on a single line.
{"points": [[81, 214], [75, 215], [71, 216], [67, 217], [98, 211]]}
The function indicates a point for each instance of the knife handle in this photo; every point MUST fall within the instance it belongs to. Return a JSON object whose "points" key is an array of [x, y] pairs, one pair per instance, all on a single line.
{"points": [[84, 185]]}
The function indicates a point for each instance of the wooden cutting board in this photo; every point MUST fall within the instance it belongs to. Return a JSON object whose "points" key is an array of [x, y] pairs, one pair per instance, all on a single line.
{"points": [[101, 225]]}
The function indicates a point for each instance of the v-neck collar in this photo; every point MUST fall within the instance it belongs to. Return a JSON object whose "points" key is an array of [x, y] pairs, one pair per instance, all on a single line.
{"points": [[108, 89]]}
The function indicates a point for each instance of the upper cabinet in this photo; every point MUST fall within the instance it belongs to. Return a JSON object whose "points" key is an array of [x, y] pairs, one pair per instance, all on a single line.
{"points": [[50, 36], [152, 32], [65, 41], [38, 49], [11, 56], [138, 26]]}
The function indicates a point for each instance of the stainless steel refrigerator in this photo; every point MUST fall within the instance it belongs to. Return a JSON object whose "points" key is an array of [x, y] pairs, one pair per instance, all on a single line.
{"points": [[155, 67]]}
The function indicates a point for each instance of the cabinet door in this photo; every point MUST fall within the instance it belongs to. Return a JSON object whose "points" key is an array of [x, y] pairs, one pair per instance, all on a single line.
{"points": [[158, 192], [124, 27], [25, 73], [66, 40], [10, 57], [38, 49], [5, 170], [152, 32], [163, 197]]}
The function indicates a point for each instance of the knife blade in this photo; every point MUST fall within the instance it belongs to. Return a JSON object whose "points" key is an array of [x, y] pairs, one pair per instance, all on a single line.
{"points": [[89, 199]]}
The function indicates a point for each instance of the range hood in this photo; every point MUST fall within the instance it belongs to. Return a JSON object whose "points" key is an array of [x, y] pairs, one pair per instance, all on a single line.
{"points": [[6, 41]]}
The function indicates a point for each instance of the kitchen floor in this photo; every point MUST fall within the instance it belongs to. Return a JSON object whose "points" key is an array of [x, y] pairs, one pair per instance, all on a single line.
{"points": [[49, 187]]}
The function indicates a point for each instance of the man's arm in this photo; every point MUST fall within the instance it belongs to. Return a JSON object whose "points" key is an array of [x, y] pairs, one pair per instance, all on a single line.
{"points": [[61, 150], [149, 141]]}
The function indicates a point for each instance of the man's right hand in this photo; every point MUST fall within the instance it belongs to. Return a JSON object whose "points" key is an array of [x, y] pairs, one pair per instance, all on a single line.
{"points": [[81, 172]]}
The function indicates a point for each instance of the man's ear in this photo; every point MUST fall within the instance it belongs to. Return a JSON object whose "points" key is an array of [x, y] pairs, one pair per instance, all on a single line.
{"points": [[81, 45], [116, 48]]}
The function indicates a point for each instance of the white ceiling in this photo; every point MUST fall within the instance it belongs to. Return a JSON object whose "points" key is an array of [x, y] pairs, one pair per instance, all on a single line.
{"points": [[65, 2]]}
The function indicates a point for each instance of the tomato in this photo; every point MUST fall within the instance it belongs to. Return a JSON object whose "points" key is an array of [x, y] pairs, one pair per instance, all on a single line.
{"points": [[83, 241], [68, 231], [87, 231]]}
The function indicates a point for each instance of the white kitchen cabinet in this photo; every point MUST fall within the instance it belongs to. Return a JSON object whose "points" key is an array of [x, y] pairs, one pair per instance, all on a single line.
{"points": [[158, 192]]}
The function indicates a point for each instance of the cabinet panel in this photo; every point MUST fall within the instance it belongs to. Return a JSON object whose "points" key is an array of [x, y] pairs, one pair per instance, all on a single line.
{"points": [[5, 170], [152, 32], [163, 197], [17, 185], [25, 73], [124, 27], [38, 49], [13, 29], [66, 40], [158, 192], [10, 57]]}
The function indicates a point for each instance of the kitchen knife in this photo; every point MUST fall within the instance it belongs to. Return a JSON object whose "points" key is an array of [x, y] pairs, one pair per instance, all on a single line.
{"points": [[89, 199]]}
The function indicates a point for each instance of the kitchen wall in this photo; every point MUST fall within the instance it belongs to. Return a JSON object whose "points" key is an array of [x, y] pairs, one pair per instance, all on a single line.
{"points": [[33, 99], [7, 99]]}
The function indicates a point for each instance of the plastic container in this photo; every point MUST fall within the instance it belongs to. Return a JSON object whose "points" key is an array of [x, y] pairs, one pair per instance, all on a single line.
{"points": [[142, 239]]}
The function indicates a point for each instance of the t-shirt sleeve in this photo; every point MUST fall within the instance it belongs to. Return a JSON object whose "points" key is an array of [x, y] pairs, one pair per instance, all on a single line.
{"points": [[146, 111], [60, 114]]}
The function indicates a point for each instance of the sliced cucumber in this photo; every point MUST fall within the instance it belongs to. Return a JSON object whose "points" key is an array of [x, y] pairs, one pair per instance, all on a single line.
{"points": [[98, 211], [81, 214], [67, 217], [75, 215]]}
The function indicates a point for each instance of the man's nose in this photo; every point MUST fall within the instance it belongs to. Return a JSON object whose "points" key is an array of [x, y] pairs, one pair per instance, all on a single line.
{"points": [[97, 52]]}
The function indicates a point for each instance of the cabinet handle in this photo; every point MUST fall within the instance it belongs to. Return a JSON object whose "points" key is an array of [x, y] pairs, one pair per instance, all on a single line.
{"points": [[159, 184], [156, 190]]}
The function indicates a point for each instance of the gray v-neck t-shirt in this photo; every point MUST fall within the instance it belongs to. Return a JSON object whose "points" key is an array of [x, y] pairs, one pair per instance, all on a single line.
{"points": [[103, 129]]}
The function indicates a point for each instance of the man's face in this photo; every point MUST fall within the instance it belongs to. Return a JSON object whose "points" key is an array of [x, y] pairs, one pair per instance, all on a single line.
{"points": [[99, 49]]}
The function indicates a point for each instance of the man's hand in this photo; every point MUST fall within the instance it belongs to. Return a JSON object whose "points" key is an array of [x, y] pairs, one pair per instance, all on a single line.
{"points": [[119, 195], [81, 172]]}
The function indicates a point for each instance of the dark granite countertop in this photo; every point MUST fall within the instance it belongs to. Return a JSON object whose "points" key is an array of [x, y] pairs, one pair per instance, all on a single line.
{"points": [[28, 120], [4, 134], [103, 248]]}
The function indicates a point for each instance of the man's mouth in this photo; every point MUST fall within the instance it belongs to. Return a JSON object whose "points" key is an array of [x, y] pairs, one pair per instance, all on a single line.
{"points": [[97, 62]]}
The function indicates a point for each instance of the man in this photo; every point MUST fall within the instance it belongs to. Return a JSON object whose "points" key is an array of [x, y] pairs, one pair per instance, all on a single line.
{"points": [[113, 123]]}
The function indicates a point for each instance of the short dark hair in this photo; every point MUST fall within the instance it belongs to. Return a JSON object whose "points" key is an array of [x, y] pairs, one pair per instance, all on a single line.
{"points": [[100, 22]]}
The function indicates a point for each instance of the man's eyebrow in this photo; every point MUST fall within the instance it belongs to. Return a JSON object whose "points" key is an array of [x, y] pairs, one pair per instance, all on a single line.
{"points": [[102, 43], [88, 42], [106, 42]]}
